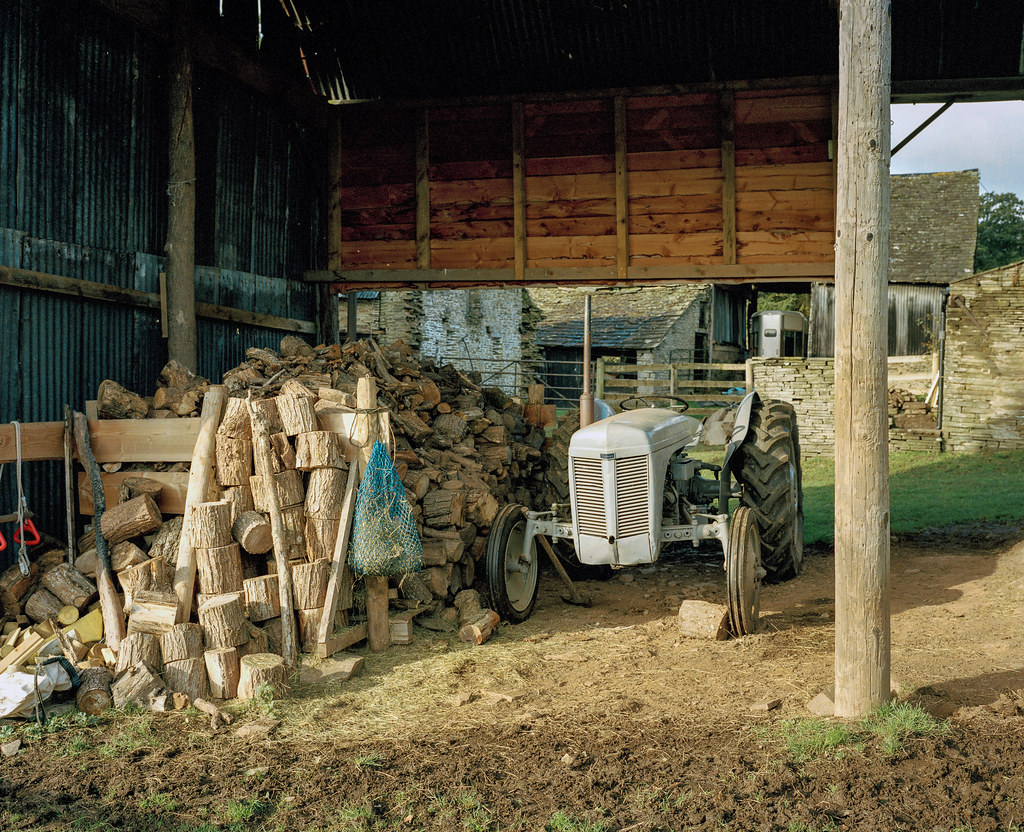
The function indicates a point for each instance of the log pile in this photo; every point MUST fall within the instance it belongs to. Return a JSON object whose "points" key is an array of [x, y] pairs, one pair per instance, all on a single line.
{"points": [[907, 412]]}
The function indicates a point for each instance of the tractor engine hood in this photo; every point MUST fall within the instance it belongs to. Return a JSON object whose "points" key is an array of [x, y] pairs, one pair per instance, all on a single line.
{"points": [[636, 432]]}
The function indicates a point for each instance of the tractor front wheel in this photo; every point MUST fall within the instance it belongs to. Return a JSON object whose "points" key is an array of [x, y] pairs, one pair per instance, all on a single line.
{"points": [[768, 468], [511, 577]]}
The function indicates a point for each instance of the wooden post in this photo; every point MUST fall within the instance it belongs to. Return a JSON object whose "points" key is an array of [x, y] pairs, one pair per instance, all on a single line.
{"points": [[352, 316], [181, 202], [200, 477], [599, 377], [422, 192], [519, 189], [328, 323], [621, 190], [861, 423], [673, 379], [728, 115], [748, 375], [263, 458], [378, 626]]}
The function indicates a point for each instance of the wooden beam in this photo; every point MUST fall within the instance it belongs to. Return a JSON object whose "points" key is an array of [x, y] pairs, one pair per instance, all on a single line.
{"points": [[519, 190], [113, 440], [90, 290], [170, 501], [862, 660], [422, 192], [727, 106], [180, 244], [621, 190], [964, 89]]}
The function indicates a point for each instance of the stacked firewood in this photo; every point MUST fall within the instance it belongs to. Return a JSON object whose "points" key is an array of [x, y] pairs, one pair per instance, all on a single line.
{"points": [[907, 412]]}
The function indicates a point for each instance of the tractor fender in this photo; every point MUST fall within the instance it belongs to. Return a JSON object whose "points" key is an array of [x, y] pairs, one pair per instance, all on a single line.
{"points": [[740, 427]]}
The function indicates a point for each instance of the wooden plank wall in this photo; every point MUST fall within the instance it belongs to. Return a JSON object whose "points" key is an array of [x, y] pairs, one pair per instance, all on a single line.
{"points": [[704, 178]]}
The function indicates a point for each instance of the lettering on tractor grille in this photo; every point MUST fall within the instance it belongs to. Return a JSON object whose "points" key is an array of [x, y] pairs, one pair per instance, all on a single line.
{"points": [[586, 475], [632, 502], [632, 496]]}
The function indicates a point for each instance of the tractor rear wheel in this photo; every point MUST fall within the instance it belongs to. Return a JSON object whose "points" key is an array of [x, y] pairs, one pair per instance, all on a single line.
{"points": [[768, 468]]}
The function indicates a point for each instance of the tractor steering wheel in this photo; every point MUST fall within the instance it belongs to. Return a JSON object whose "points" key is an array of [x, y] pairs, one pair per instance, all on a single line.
{"points": [[637, 402]]}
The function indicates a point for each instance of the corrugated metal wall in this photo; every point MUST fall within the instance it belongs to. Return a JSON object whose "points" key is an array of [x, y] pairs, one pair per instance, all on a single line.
{"points": [[83, 161], [914, 312]]}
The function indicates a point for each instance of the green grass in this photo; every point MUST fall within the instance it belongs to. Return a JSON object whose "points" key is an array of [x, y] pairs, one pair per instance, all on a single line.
{"points": [[926, 490], [561, 822], [894, 722]]}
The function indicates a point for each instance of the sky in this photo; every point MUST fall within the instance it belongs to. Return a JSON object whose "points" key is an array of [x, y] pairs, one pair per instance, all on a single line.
{"points": [[986, 136]]}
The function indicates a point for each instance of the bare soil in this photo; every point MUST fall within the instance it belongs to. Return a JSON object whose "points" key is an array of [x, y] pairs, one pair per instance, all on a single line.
{"points": [[594, 718]]}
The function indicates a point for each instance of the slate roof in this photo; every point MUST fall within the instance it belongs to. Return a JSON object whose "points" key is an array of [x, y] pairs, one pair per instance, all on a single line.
{"points": [[933, 226], [634, 318]]}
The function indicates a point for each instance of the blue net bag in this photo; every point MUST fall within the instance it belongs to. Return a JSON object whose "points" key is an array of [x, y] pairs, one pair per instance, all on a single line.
{"points": [[384, 537]]}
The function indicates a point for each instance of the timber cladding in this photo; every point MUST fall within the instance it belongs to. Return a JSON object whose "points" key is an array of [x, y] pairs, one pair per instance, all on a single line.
{"points": [[731, 176], [983, 399]]}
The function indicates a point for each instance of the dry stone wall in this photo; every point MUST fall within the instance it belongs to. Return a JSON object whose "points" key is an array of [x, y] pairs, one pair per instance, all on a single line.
{"points": [[809, 384]]}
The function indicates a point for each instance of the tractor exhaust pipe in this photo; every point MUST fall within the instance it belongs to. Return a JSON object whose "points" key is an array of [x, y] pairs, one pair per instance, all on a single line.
{"points": [[586, 397]]}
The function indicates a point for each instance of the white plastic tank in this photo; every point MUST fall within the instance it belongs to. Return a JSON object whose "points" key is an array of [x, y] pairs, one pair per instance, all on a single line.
{"points": [[778, 334]]}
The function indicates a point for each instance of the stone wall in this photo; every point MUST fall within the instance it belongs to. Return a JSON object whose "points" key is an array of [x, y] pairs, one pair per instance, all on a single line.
{"points": [[809, 384], [983, 397]]}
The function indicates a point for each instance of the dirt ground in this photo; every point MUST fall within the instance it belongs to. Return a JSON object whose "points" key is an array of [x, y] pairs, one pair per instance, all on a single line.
{"points": [[599, 718]]}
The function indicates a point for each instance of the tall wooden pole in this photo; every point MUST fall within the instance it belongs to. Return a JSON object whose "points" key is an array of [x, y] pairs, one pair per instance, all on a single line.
{"points": [[328, 323], [861, 421], [181, 189]]}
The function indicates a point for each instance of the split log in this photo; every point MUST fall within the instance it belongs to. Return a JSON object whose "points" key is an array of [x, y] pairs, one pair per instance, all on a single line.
{"points": [[288, 486], [154, 575], [258, 642], [68, 615], [262, 597], [324, 493], [444, 508], [240, 500], [126, 520], [125, 555], [297, 414], [437, 552], [93, 695], [274, 629], [284, 453], [252, 531], [309, 581], [309, 627], [142, 687], [261, 670], [320, 537], [235, 422], [267, 408], [223, 621], [116, 402], [223, 668], [182, 641], [220, 569], [132, 487], [218, 718], [69, 585], [152, 612], [210, 525], [42, 605], [165, 544], [187, 676], [339, 584], [139, 647], [411, 587], [18, 585], [234, 461], [412, 426], [701, 619], [468, 603], [319, 449], [480, 629], [293, 522]]}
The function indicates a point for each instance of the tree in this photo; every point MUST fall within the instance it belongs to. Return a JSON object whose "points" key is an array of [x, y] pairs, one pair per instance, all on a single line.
{"points": [[1000, 231], [791, 301]]}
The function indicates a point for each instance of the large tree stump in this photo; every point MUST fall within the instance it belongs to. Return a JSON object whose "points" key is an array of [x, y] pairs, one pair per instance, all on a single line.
{"points": [[69, 585], [234, 461], [131, 519], [262, 598], [319, 449], [223, 621], [320, 538], [235, 422], [142, 687], [138, 647], [220, 569], [93, 696], [42, 605], [288, 485], [152, 612], [223, 668], [325, 492], [261, 671], [252, 531], [187, 676], [182, 641], [309, 581], [297, 414], [210, 525]]}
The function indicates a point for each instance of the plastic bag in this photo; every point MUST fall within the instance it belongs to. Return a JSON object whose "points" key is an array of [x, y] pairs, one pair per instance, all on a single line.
{"points": [[18, 689], [384, 537]]}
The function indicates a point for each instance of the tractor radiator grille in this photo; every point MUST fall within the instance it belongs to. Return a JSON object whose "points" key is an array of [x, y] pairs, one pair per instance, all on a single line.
{"points": [[632, 502], [589, 488], [632, 496]]}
